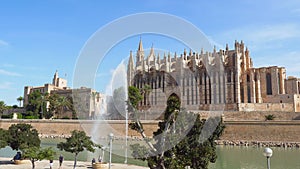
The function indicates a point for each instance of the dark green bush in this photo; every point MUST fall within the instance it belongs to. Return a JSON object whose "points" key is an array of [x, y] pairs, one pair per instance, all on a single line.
{"points": [[48, 115], [6, 116], [269, 117], [31, 117], [65, 117]]}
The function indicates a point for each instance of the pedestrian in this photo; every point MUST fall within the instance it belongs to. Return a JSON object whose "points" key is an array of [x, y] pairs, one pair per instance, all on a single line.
{"points": [[93, 161], [51, 164], [100, 159], [60, 159]]}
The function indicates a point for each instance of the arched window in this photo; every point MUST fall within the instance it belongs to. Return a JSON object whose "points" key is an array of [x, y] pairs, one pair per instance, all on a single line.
{"points": [[269, 83], [279, 83], [229, 76]]}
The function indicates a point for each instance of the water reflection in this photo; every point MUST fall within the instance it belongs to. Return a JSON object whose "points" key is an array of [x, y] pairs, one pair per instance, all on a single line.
{"points": [[228, 157]]}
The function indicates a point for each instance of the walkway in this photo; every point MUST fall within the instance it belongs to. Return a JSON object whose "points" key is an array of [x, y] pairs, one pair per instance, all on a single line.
{"points": [[5, 163]]}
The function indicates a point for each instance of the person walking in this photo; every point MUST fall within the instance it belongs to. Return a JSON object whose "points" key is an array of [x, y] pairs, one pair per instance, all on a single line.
{"points": [[60, 159], [51, 164]]}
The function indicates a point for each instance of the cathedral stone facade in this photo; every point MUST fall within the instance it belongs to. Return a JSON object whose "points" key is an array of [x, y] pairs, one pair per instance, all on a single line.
{"points": [[218, 80]]}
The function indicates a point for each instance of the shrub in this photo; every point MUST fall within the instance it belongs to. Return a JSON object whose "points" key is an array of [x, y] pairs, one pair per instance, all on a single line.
{"points": [[65, 117], [31, 117], [269, 117], [48, 115], [6, 116], [19, 115]]}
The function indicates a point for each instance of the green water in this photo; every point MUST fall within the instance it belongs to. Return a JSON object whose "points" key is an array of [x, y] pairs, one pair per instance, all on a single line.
{"points": [[252, 158], [228, 157]]}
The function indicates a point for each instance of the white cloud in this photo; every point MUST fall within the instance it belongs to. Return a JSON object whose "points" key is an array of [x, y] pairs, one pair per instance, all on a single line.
{"points": [[292, 63], [3, 43], [262, 36], [6, 85], [8, 65], [8, 73], [289, 60]]}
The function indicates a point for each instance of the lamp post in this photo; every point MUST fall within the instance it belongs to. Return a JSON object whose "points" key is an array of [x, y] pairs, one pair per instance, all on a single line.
{"points": [[268, 153], [42, 108], [111, 136], [126, 135]]}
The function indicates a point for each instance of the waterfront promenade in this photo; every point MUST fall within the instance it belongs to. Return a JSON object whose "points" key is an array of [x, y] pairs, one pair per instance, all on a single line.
{"points": [[5, 163]]}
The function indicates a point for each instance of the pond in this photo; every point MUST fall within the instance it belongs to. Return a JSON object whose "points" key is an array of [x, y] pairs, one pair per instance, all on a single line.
{"points": [[229, 157]]}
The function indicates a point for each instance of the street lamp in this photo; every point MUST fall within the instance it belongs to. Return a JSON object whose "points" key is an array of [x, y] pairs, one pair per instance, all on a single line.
{"points": [[111, 136], [268, 153]]}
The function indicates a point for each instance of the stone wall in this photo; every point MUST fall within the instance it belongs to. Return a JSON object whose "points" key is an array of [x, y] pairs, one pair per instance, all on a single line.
{"points": [[283, 107], [283, 131], [64, 127], [274, 131], [259, 115]]}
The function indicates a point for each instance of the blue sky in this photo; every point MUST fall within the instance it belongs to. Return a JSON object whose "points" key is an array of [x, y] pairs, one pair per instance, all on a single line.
{"points": [[39, 37]]}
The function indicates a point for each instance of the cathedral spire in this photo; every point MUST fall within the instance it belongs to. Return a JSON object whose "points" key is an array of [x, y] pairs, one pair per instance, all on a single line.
{"points": [[130, 69], [140, 52], [140, 48], [131, 59], [158, 59], [152, 50]]}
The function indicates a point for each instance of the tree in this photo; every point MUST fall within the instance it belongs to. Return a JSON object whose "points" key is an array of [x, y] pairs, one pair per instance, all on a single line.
{"points": [[20, 99], [2, 107], [35, 104], [59, 104], [64, 104], [178, 141], [77, 143], [37, 153], [134, 96], [22, 136], [3, 138]]}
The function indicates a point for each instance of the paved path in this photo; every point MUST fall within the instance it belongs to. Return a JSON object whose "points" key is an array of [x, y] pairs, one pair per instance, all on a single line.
{"points": [[5, 163]]}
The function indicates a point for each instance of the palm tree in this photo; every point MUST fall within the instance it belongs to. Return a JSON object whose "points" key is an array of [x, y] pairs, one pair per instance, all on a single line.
{"points": [[63, 103], [2, 107], [43, 104], [20, 99]]}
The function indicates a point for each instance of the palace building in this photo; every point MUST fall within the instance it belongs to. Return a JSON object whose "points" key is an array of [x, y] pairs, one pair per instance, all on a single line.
{"points": [[87, 101], [211, 81]]}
